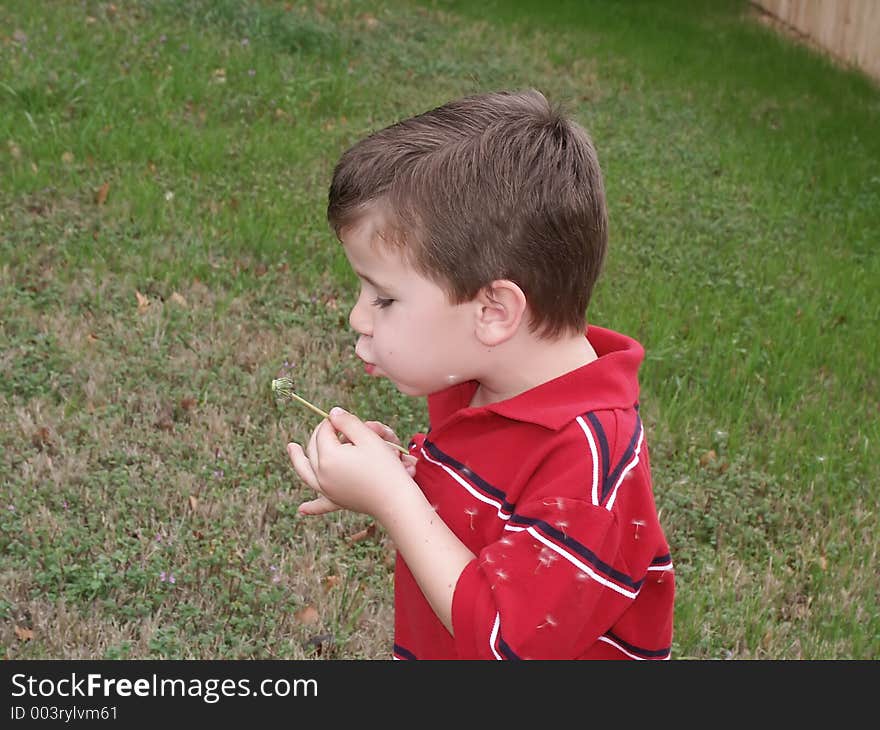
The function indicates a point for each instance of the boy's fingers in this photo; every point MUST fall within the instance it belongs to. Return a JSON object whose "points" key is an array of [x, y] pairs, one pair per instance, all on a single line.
{"points": [[319, 506], [409, 463], [325, 437], [312, 448], [386, 432], [352, 427], [301, 465]]}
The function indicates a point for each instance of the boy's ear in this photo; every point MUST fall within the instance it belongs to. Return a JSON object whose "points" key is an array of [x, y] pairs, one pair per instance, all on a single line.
{"points": [[501, 307]]}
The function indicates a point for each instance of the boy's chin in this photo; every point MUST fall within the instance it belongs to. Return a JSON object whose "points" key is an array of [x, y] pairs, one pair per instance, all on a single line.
{"points": [[409, 389], [422, 391]]}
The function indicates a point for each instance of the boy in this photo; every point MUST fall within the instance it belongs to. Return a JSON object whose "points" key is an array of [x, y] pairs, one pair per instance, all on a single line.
{"points": [[524, 519]]}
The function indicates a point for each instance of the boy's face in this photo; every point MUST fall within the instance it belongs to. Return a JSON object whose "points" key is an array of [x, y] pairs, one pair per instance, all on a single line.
{"points": [[409, 332]]}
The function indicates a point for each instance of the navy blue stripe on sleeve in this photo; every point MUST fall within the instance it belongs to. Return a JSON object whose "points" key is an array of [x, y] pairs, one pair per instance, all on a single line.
{"points": [[603, 448], [466, 472], [625, 459], [581, 550], [404, 653], [637, 650]]}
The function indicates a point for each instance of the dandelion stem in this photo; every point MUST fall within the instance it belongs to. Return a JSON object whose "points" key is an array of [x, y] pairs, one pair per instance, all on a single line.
{"points": [[283, 389], [317, 410]]}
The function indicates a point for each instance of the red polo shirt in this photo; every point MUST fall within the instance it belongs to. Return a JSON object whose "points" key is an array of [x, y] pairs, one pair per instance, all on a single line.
{"points": [[551, 490]]}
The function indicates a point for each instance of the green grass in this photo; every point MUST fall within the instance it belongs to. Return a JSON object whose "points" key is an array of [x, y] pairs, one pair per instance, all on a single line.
{"points": [[743, 175]]}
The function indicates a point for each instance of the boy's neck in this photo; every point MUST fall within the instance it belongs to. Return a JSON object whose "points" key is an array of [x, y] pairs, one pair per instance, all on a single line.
{"points": [[525, 361]]}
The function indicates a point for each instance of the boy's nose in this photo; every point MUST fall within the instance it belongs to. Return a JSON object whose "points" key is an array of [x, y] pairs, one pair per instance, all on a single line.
{"points": [[359, 318]]}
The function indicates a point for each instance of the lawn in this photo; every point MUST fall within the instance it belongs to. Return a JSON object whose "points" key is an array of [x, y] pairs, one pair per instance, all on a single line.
{"points": [[164, 254]]}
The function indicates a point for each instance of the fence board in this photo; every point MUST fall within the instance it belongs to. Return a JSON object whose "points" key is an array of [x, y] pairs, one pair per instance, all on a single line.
{"points": [[848, 29]]}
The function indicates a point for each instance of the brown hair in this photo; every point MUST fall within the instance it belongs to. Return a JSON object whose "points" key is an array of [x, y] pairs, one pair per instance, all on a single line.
{"points": [[492, 186]]}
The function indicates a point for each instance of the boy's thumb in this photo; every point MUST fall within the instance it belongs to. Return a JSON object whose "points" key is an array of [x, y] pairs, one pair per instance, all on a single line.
{"points": [[349, 424], [346, 422]]}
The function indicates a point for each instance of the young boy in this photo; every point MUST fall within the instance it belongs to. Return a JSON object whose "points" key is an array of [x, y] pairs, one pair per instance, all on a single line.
{"points": [[524, 518]]}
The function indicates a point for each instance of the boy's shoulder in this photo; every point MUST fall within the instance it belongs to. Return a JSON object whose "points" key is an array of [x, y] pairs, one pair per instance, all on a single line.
{"points": [[583, 426], [609, 383], [578, 437]]}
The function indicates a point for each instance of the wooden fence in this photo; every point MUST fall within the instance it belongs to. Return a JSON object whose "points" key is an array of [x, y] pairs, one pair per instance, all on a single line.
{"points": [[847, 29]]}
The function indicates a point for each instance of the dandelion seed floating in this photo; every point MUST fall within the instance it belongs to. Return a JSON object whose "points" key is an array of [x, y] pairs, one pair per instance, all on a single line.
{"points": [[283, 391]]}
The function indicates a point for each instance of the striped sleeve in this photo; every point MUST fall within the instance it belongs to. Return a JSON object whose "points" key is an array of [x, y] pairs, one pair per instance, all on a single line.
{"points": [[570, 563]]}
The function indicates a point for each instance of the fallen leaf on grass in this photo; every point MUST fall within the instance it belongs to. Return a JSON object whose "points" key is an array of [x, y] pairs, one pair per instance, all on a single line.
{"points": [[193, 502], [331, 581], [308, 615], [143, 302], [178, 299], [101, 195], [41, 438], [708, 457], [364, 534], [24, 634]]}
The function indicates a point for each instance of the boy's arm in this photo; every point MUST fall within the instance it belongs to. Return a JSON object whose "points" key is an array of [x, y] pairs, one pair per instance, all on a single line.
{"points": [[433, 554], [365, 476]]}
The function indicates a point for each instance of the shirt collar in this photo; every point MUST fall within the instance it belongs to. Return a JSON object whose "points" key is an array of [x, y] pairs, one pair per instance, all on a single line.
{"points": [[611, 381]]}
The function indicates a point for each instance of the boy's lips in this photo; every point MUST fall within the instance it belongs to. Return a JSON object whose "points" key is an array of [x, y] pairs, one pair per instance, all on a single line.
{"points": [[368, 366]]}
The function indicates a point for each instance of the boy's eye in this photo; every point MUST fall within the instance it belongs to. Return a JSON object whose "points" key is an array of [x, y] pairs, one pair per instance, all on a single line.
{"points": [[382, 303]]}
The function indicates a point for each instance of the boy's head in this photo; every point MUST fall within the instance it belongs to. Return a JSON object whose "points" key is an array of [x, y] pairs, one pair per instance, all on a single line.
{"points": [[488, 187]]}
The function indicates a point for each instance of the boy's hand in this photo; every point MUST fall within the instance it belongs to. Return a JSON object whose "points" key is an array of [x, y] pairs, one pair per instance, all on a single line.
{"points": [[349, 470]]}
